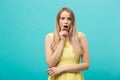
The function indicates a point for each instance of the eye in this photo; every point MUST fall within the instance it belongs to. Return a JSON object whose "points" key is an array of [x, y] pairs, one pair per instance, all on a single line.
{"points": [[69, 19], [62, 18]]}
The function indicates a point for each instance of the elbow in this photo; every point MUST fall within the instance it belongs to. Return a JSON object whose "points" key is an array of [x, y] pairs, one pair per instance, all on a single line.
{"points": [[51, 64], [87, 66]]}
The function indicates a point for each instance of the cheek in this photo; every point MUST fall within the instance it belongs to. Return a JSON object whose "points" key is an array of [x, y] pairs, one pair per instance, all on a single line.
{"points": [[70, 23], [61, 24]]}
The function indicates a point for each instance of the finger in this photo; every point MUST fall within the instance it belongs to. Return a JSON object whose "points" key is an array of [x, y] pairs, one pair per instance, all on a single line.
{"points": [[48, 69], [51, 73]]}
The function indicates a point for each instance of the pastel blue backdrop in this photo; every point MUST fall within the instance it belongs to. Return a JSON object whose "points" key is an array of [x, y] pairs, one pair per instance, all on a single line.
{"points": [[25, 23]]}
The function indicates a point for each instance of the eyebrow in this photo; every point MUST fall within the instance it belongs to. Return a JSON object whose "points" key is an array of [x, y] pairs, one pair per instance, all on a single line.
{"points": [[64, 17]]}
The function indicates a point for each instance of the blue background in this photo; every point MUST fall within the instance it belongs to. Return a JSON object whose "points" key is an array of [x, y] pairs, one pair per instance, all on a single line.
{"points": [[24, 24]]}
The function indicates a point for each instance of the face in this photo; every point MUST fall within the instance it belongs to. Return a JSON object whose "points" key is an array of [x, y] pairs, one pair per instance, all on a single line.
{"points": [[65, 21]]}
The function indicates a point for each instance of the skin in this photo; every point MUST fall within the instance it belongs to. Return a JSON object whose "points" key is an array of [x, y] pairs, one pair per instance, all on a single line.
{"points": [[53, 58], [65, 20]]}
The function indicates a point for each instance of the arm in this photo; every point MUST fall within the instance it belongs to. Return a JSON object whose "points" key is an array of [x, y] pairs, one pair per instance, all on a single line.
{"points": [[77, 67], [53, 58], [85, 58]]}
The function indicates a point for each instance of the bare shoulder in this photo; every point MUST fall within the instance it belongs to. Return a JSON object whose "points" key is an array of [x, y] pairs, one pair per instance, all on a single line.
{"points": [[49, 36], [83, 40], [82, 35]]}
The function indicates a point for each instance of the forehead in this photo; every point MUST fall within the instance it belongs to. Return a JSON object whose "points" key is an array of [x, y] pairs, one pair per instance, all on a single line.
{"points": [[65, 14]]}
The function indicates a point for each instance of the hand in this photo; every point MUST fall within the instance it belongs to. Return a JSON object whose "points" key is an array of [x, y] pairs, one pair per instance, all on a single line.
{"points": [[63, 34], [54, 71]]}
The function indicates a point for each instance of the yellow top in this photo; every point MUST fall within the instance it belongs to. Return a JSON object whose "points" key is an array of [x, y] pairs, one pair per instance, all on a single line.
{"points": [[68, 58]]}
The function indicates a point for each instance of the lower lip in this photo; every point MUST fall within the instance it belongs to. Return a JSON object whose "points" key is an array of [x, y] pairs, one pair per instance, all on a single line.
{"points": [[64, 29]]}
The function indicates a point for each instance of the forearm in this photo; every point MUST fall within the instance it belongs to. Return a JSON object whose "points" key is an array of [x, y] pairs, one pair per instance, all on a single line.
{"points": [[76, 67], [55, 57]]}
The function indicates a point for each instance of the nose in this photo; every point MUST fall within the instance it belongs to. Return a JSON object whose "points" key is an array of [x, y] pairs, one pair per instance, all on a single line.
{"points": [[66, 21]]}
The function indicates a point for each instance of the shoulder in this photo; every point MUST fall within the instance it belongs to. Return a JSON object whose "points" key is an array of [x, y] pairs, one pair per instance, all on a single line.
{"points": [[81, 35], [49, 36], [83, 39]]}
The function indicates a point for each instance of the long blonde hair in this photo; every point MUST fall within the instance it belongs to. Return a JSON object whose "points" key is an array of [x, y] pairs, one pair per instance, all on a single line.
{"points": [[73, 34]]}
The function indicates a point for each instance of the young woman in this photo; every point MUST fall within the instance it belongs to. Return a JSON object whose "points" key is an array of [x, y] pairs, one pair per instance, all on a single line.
{"points": [[65, 48]]}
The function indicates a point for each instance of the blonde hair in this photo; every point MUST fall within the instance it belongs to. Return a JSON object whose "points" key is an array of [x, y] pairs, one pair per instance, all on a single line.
{"points": [[73, 34]]}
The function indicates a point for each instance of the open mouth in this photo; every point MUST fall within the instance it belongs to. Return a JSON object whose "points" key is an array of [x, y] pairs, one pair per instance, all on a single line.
{"points": [[66, 26]]}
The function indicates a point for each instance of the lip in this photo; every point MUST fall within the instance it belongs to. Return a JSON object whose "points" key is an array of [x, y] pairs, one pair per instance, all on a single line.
{"points": [[65, 27]]}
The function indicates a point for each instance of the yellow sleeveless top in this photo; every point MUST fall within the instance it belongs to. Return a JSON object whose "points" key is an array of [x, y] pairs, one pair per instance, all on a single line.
{"points": [[68, 58]]}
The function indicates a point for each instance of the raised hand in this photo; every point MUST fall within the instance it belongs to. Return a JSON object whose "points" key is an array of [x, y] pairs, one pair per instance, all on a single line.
{"points": [[63, 34]]}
